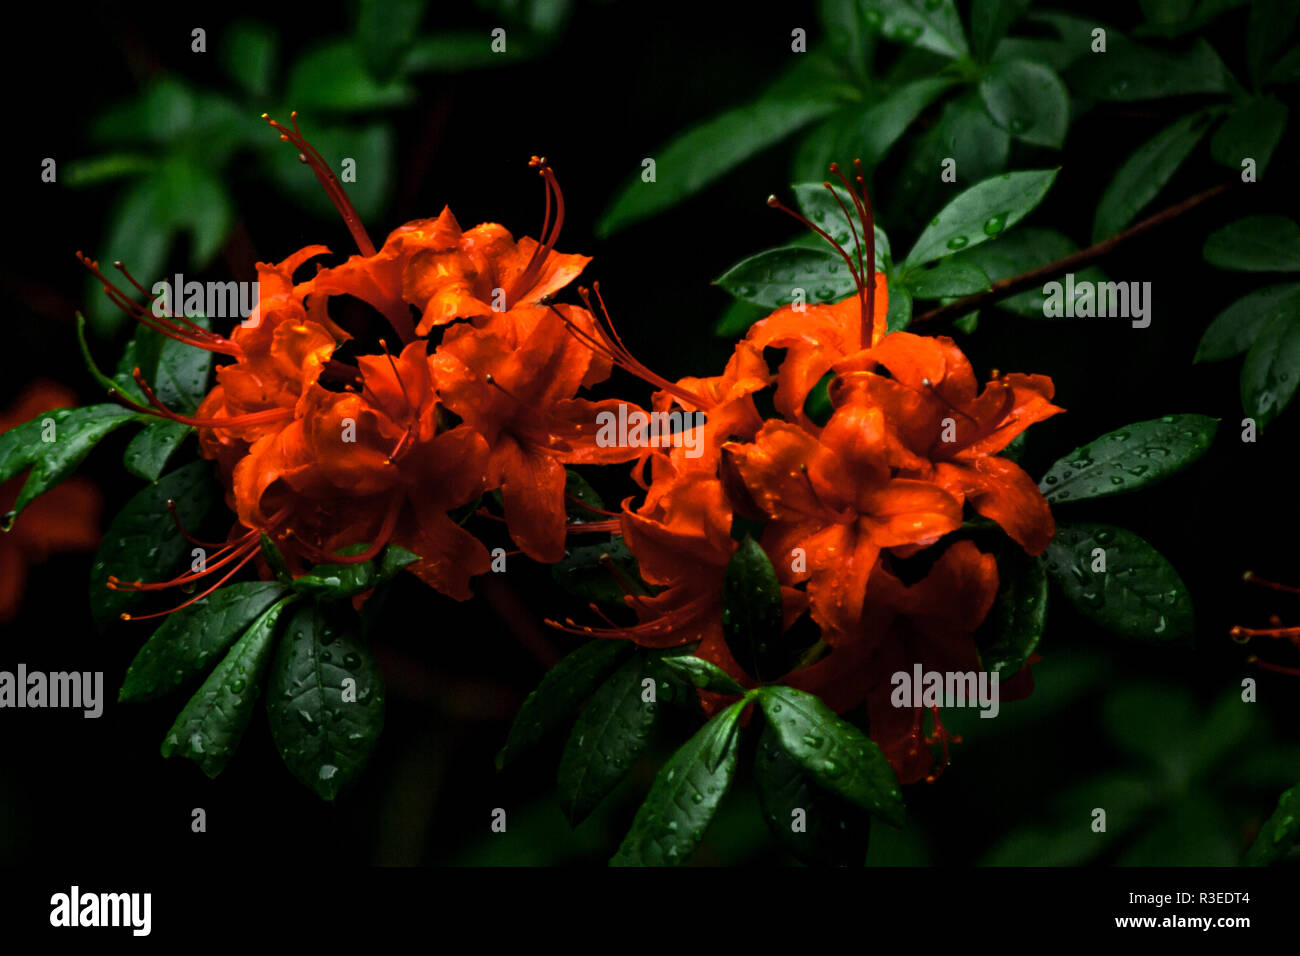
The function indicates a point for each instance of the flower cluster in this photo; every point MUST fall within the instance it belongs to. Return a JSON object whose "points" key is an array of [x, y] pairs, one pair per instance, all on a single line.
{"points": [[911, 442], [337, 432]]}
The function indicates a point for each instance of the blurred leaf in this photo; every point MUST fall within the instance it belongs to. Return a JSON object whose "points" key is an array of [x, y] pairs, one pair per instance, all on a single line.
{"points": [[1145, 173], [1018, 615], [89, 172], [562, 689], [385, 31], [981, 213], [1269, 26], [152, 447], [1138, 596], [1130, 458], [989, 21], [1272, 370], [1155, 722], [162, 114], [752, 613], [705, 152], [1268, 243], [71, 434], [139, 234], [189, 640], [142, 543], [685, 795], [1028, 100], [459, 51], [1287, 69], [248, 55], [1277, 837], [932, 24], [324, 699], [1252, 130], [1236, 327], [846, 32], [372, 148], [333, 77], [836, 754], [836, 833], [209, 728], [610, 734], [946, 279], [1130, 71], [1192, 832]]}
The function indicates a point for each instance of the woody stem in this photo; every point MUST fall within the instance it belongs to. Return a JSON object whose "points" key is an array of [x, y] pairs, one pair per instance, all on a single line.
{"points": [[1004, 288]]}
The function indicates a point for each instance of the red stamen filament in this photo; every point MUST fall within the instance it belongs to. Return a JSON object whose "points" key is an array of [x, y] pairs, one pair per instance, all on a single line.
{"points": [[310, 157], [385, 532], [160, 410], [1251, 577], [190, 333], [607, 343], [548, 237]]}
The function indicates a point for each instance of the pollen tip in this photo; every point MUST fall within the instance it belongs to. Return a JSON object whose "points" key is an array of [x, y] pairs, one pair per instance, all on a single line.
{"points": [[773, 201], [124, 616], [1247, 575]]}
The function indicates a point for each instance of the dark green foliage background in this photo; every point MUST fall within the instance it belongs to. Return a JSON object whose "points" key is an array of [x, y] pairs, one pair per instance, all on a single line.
{"points": [[1144, 730]]}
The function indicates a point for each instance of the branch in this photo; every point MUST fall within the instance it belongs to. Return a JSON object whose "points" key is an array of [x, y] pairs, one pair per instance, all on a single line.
{"points": [[1004, 288]]}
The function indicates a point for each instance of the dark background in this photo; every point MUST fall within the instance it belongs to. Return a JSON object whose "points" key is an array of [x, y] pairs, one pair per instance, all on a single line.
{"points": [[622, 80]]}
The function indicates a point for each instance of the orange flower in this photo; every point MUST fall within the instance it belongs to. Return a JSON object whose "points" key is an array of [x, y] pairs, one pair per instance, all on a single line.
{"points": [[65, 518]]}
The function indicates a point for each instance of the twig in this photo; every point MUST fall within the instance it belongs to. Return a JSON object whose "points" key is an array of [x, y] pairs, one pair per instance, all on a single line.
{"points": [[1009, 287]]}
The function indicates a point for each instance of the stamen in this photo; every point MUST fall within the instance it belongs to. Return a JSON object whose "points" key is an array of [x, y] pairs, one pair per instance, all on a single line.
{"points": [[1251, 577], [547, 239], [252, 550], [160, 410], [385, 532], [311, 158]]}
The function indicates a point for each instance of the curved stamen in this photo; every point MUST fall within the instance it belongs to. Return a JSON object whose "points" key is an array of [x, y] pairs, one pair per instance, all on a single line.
{"points": [[313, 160], [546, 240], [381, 538], [252, 550]]}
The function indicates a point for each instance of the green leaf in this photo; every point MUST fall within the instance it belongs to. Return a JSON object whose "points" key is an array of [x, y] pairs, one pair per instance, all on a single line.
{"points": [[736, 320], [581, 502], [333, 77], [152, 447], [337, 581], [195, 200], [459, 51], [610, 734], [834, 831], [981, 213], [560, 692], [324, 700], [142, 542], [945, 279], [1277, 837], [967, 135], [99, 169], [385, 31], [1129, 458], [192, 638], [684, 796], [1139, 594], [871, 133], [1287, 69], [52, 445], [1022, 251], [752, 613], [900, 309], [770, 278], [704, 674], [1251, 131], [1018, 615], [931, 24], [139, 235], [1028, 100], [248, 55], [1268, 243], [180, 376], [838, 756], [1272, 370], [1129, 71], [1145, 173], [989, 21], [1236, 327], [1267, 30], [585, 573], [818, 205], [705, 152], [210, 727]]}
